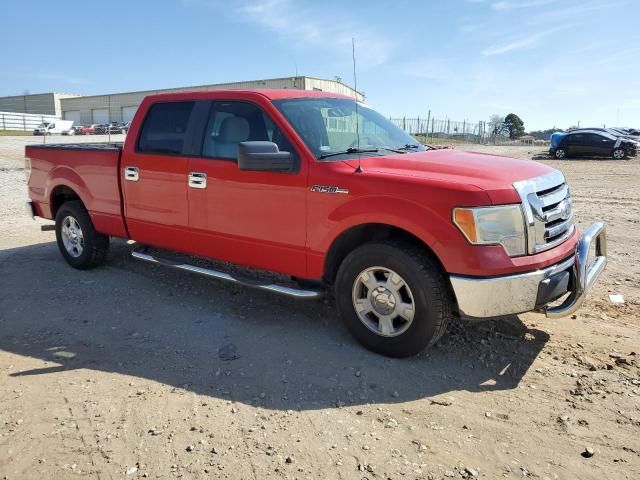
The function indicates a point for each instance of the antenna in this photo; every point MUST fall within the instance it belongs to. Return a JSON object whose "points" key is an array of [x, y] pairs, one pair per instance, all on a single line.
{"points": [[355, 87]]}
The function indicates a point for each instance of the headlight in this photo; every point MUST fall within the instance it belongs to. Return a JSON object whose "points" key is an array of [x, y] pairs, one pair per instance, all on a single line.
{"points": [[501, 225]]}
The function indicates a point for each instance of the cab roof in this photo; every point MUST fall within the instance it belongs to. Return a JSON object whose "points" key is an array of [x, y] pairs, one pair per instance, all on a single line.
{"points": [[271, 94]]}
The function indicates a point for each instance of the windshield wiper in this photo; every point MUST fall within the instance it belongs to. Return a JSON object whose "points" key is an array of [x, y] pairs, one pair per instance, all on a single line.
{"points": [[409, 146], [347, 151], [394, 150]]}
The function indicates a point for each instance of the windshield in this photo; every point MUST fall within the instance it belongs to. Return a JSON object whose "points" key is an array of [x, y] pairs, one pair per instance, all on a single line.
{"points": [[329, 127]]}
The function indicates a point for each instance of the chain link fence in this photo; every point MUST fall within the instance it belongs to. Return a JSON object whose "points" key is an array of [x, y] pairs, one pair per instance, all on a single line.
{"points": [[433, 131]]}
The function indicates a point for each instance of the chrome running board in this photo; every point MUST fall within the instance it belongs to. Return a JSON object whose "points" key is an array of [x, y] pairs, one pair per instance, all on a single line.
{"points": [[291, 292]]}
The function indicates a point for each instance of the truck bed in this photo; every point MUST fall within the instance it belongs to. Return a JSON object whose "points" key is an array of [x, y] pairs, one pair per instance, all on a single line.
{"points": [[80, 146], [90, 170]]}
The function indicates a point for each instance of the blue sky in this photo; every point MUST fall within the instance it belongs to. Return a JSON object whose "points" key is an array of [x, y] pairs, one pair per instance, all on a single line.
{"points": [[553, 62]]}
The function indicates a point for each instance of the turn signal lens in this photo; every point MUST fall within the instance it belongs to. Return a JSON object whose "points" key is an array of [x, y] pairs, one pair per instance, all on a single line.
{"points": [[466, 222]]}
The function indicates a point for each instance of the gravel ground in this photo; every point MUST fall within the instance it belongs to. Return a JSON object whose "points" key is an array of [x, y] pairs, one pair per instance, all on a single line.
{"points": [[133, 371]]}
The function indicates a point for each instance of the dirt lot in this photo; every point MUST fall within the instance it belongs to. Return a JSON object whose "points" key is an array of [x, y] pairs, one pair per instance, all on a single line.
{"points": [[133, 371]]}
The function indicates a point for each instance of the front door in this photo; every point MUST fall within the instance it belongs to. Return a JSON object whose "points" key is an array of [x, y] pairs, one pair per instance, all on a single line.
{"points": [[601, 145], [246, 217], [154, 174]]}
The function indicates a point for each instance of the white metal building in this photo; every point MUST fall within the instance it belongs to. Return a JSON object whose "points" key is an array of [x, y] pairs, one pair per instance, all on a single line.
{"points": [[40, 104], [121, 107]]}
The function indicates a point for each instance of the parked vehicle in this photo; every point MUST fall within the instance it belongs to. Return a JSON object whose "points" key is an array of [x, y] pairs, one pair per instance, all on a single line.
{"points": [[69, 132], [591, 143], [87, 129], [62, 127], [407, 237], [616, 132], [112, 128], [629, 132]]}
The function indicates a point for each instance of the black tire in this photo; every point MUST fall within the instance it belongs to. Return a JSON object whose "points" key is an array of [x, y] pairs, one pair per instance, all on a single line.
{"points": [[432, 298], [95, 246], [618, 154], [560, 154]]}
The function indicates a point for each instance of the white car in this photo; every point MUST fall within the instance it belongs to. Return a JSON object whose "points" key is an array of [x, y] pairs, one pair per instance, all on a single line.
{"points": [[63, 127]]}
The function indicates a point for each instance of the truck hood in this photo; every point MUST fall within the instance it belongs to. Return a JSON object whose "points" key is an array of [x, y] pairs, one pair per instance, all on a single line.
{"points": [[494, 174]]}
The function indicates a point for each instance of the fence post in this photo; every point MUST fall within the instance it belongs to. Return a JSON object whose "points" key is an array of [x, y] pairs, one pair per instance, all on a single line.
{"points": [[24, 123], [4, 125], [428, 118], [404, 123]]}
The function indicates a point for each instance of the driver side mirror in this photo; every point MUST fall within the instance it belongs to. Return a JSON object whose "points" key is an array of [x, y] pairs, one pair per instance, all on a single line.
{"points": [[263, 157]]}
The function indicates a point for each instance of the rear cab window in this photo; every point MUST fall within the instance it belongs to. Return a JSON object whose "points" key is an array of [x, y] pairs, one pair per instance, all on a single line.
{"points": [[164, 129]]}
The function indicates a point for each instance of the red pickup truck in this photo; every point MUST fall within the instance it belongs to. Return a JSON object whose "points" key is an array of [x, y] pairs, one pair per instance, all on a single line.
{"points": [[328, 193]]}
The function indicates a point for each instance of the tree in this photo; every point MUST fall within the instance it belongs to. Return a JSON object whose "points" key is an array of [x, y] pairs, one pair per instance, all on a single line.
{"points": [[514, 125], [496, 125]]}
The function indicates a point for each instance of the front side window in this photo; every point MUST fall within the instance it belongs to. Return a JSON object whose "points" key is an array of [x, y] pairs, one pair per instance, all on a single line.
{"points": [[330, 127], [596, 139], [165, 128], [233, 122]]}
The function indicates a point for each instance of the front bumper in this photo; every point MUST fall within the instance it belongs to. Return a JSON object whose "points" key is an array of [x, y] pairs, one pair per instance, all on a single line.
{"points": [[511, 294]]}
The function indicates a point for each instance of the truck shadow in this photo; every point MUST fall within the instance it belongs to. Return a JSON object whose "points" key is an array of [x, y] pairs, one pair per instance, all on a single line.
{"points": [[229, 342]]}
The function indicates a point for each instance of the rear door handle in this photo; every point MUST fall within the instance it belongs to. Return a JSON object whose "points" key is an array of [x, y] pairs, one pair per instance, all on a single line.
{"points": [[132, 174], [197, 180]]}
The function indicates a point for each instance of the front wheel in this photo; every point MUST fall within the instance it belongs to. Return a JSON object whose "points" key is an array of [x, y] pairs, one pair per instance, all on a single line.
{"points": [[79, 243], [393, 298], [618, 154]]}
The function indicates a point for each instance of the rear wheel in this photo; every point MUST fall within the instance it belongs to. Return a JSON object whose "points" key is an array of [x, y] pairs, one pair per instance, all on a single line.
{"points": [[79, 243], [618, 154], [393, 298], [560, 154]]}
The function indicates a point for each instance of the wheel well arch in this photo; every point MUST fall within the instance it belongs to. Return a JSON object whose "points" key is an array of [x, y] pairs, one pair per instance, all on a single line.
{"points": [[60, 195], [360, 234]]}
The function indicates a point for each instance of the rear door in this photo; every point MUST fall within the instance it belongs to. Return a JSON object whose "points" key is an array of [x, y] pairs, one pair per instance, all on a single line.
{"points": [[575, 144], [154, 176], [247, 217]]}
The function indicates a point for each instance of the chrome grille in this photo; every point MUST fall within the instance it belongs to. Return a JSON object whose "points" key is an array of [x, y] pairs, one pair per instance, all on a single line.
{"points": [[546, 203]]}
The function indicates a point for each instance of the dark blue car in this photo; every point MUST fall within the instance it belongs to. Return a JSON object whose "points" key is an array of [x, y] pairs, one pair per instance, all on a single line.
{"points": [[591, 143]]}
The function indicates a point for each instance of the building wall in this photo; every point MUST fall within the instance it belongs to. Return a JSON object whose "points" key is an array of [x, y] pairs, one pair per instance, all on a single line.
{"points": [[39, 103], [43, 104], [91, 109], [333, 86], [115, 103]]}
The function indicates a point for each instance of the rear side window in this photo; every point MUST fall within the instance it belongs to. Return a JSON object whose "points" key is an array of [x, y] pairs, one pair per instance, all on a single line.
{"points": [[165, 128]]}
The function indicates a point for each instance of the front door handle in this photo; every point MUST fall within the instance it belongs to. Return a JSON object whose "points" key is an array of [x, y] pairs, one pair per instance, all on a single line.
{"points": [[197, 180], [132, 174]]}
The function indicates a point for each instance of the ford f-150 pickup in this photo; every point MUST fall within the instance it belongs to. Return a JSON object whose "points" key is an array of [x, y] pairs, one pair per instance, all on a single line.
{"points": [[329, 194]]}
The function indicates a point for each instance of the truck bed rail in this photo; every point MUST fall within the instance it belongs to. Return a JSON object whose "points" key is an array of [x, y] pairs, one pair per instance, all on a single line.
{"points": [[116, 146]]}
